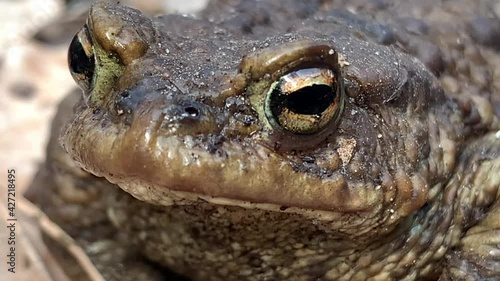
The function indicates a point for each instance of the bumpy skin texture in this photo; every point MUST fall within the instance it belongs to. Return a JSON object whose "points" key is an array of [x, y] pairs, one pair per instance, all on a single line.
{"points": [[402, 185]]}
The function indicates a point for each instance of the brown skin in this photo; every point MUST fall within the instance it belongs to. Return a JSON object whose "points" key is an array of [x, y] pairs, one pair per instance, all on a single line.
{"points": [[396, 178]]}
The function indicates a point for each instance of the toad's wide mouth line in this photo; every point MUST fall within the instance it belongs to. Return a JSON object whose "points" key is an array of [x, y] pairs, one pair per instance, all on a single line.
{"points": [[169, 197]]}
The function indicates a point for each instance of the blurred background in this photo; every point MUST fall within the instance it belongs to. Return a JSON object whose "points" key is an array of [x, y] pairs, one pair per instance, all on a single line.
{"points": [[34, 37]]}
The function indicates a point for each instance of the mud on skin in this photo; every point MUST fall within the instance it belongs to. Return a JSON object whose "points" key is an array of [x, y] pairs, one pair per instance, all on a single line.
{"points": [[284, 140]]}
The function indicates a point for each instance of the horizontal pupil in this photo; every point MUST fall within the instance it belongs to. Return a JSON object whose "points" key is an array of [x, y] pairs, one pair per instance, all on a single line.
{"points": [[310, 100]]}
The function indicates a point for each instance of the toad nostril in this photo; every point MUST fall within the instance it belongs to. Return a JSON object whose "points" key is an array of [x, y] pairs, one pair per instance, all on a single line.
{"points": [[192, 111]]}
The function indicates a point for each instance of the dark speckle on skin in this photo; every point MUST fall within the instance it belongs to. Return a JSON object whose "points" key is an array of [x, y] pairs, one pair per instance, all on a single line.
{"points": [[213, 144]]}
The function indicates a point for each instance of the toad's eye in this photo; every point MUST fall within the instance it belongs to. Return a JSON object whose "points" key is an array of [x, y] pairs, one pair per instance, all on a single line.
{"points": [[304, 101], [81, 59]]}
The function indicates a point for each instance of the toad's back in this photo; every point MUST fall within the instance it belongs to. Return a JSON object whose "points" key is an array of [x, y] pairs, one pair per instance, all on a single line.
{"points": [[289, 140]]}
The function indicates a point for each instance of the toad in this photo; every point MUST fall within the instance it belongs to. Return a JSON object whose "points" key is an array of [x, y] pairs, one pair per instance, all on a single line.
{"points": [[286, 140]]}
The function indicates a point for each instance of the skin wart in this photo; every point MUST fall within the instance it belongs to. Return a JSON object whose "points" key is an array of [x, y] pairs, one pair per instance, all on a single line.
{"points": [[292, 142]]}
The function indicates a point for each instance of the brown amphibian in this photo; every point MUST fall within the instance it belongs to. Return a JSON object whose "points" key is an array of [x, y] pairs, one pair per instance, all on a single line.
{"points": [[285, 140]]}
